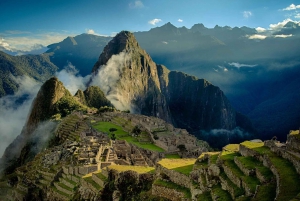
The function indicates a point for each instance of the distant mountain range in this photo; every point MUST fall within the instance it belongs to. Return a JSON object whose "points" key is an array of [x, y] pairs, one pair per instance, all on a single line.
{"points": [[259, 76]]}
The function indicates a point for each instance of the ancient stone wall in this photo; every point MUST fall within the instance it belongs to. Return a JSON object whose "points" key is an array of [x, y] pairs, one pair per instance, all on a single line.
{"points": [[168, 193], [98, 180], [175, 176]]}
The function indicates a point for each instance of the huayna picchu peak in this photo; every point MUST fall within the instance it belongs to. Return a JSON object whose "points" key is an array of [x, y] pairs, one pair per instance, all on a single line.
{"points": [[151, 89]]}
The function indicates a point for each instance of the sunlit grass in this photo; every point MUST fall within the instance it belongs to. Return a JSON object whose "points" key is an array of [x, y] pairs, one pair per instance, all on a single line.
{"points": [[138, 169]]}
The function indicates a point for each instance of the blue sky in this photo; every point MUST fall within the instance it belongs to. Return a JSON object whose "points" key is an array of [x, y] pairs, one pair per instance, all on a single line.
{"points": [[26, 23]]}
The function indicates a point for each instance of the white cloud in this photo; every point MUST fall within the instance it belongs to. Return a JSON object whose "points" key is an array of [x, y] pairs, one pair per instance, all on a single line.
{"points": [[164, 42], [247, 14], [107, 79], [4, 44], [71, 80], [297, 15], [14, 109], [260, 29], [292, 7], [283, 36], [257, 36], [32, 41], [136, 4], [154, 21], [238, 65], [180, 20], [90, 31], [280, 25]]}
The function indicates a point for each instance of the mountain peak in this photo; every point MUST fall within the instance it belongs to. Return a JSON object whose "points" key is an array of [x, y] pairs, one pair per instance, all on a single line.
{"points": [[123, 41]]}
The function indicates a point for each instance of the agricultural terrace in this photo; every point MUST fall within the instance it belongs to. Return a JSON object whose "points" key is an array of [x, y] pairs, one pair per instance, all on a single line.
{"points": [[120, 134], [138, 169], [184, 166]]}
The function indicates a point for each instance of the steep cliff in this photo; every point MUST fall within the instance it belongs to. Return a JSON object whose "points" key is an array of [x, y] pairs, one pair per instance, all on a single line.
{"points": [[137, 86], [195, 103], [150, 89], [52, 98]]}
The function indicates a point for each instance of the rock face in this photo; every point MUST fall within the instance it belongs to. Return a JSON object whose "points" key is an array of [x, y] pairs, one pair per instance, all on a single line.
{"points": [[93, 97], [43, 105], [138, 82], [185, 101]]}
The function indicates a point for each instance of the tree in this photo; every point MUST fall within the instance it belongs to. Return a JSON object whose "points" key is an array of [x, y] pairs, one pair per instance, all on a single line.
{"points": [[112, 130], [136, 130], [113, 136]]}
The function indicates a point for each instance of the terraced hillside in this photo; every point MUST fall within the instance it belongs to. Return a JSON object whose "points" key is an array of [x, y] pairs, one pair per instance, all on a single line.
{"points": [[86, 164]]}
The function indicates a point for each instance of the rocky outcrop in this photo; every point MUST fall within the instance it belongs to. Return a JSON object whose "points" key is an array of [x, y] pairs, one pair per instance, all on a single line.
{"points": [[186, 101], [52, 98]]}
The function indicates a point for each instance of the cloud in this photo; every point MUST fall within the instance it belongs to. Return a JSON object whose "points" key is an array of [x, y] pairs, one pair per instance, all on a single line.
{"points": [[136, 4], [257, 36], [297, 15], [238, 65], [24, 43], [180, 20], [260, 29], [15, 108], [4, 44], [154, 21], [165, 42], [247, 14], [90, 31], [223, 68], [71, 80], [221, 137], [107, 79], [292, 7], [280, 25], [283, 36]]}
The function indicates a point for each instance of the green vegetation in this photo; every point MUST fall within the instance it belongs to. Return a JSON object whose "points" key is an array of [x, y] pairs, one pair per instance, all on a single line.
{"points": [[232, 147], [67, 104], [252, 163], [222, 195], [252, 145], [120, 134], [174, 156], [266, 192], [213, 158], [184, 169], [174, 186], [91, 181], [204, 197], [237, 191], [138, 169], [289, 179], [101, 176]]}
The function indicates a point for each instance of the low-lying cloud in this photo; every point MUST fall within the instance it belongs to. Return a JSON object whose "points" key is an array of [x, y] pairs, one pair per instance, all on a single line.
{"points": [[14, 110], [71, 79], [221, 137], [238, 65], [107, 79], [257, 36]]}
